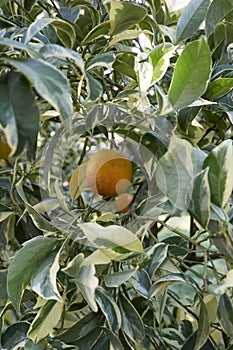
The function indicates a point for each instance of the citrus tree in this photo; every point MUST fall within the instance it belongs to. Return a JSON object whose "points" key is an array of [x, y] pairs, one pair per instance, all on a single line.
{"points": [[132, 250]]}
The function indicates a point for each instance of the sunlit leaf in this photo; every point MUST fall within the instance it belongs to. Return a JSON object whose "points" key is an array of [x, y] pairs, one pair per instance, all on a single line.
{"points": [[191, 74], [45, 320]]}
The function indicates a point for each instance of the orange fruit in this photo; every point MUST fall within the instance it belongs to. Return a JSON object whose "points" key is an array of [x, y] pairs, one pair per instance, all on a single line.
{"points": [[123, 202], [5, 149], [108, 172]]}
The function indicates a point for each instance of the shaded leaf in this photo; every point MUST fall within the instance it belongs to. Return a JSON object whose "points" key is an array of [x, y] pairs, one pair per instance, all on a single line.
{"points": [[218, 88], [49, 82], [162, 283], [19, 115], [217, 11], [114, 340], [78, 181], [83, 327], [191, 18], [191, 74], [24, 264], [132, 323], [109, 309], [203, 326], [200, 203], [225, 314], [220, 175], [14, 335]]}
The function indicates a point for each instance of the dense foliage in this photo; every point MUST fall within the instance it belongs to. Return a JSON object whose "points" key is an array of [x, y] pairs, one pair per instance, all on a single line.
{"points": [[81, 75]]}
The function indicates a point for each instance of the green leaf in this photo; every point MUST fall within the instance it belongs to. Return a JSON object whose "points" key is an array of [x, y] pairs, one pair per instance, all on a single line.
{"points": [[218, 88], [94, 88], [132, 323], [124, 15], [19, 115], [126, 35], [24, 264], [114, 340], [97, 32], [49, 82], [217, 11], [14, 334], [225, 314], [220, 174], [45, 320], [111, 239], [63, 53], [118, 278], [43, 280], [64, 30], [102, 60], [175, 171], [203, 326], [39, 220], [191, 18], [200, 203], [80, 329], [162, 283], [84, 278], [159, 255], [191, 74], [109, 309], [19, 45]]}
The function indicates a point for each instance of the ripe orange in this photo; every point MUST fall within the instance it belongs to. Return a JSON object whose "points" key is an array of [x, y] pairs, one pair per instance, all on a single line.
{"points": [[123, 202], [108, 172], [5, 149]]}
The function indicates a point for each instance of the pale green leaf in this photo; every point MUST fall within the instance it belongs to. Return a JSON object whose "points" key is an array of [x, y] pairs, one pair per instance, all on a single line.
{"points": [[124, 15], [175, 171], [160, 58], [115, 239], [94, 88], [191, 74], [118, 278], [191, 18], [24, 264], [87, 283], [45, 320]]}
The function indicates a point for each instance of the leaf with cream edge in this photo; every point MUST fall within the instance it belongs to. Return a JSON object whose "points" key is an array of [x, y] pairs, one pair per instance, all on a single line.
{"points": [[114, 241]]}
